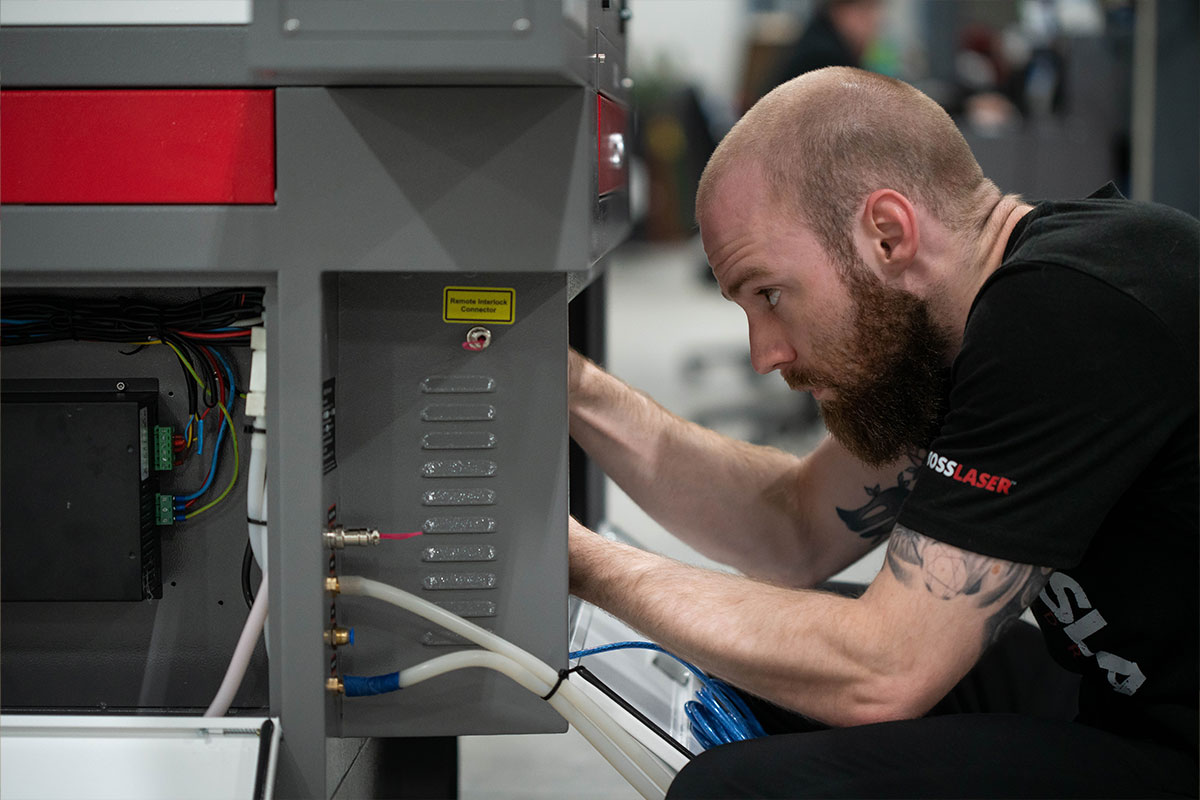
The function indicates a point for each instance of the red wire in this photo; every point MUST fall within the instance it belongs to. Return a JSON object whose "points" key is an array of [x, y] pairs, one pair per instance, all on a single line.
{"points": [[222, 389], [400, 535], [226, 335]]}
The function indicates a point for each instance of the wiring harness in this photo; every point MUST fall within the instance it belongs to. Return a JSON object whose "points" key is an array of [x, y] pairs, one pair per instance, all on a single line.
{"points": [[196, 330]]}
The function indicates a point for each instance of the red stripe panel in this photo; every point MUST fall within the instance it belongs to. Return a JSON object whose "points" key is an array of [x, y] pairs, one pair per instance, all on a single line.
{"points": [[137, 146], [610, 120]]}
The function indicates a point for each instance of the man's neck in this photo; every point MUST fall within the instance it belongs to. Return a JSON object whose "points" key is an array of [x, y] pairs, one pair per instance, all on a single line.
{"points": [[981, 257]]}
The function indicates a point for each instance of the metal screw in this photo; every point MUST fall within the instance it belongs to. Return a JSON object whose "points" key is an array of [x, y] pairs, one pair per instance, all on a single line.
{"points": [[120, 386], [626, 83], [292, 25], [521, 25]]}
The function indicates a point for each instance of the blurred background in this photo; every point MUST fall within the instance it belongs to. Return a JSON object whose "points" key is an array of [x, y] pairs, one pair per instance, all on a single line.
{"points": [[1055, 97]]}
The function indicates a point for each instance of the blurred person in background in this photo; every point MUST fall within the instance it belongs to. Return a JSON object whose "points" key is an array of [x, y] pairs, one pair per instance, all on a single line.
{"points": [[837, 36]]}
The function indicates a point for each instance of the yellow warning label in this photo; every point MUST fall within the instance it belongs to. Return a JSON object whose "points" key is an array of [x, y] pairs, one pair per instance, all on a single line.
{"points": [[479, 304]]}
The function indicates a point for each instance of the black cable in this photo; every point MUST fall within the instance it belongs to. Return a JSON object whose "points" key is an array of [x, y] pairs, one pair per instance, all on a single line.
{"points": [[188, 380], [30, 319], [247, 561], [588, 676], [203, 367]]}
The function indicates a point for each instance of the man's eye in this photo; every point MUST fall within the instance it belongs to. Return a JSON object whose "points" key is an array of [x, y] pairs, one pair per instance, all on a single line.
{"points": [[772, 295]]}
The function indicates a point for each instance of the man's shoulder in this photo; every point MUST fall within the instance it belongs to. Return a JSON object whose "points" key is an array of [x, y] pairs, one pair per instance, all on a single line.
{"points": [[1143, 249], [1079, 254], [1105, 227], [1049, 322]]}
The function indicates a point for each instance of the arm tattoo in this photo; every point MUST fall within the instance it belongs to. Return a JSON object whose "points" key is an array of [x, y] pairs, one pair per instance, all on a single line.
{"points": [[874, 520], [1004, 587]]}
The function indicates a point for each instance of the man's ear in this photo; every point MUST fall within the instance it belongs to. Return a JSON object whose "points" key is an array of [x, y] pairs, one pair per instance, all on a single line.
{"points": [[889, 225]]}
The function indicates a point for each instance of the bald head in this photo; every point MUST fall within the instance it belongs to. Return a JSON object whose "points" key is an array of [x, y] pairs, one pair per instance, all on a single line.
{"points": [[827, 139]]}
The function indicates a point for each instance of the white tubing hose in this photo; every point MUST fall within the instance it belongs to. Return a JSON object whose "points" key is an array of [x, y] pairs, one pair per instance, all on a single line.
{"points": [[622, 762], [241, 654], [256, 493], [256, 507], [647, 763]]}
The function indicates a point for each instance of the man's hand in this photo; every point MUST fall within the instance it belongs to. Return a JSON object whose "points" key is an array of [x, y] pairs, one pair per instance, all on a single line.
{"points": [[758, 509]]}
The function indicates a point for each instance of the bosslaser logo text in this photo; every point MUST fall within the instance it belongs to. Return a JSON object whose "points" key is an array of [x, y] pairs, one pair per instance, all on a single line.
{"points": [[968, 475]]}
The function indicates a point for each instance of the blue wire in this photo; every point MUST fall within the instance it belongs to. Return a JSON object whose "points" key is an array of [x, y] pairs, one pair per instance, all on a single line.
{"points": [[228, 374], [180, 499], [717, 715], [212, 472]]}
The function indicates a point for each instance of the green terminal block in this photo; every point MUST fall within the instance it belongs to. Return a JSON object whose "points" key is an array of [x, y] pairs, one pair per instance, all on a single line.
{"points": [[164, 509], [164, 452]]}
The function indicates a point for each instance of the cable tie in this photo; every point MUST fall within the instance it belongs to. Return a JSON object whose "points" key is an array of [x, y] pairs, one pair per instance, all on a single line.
{"points": [[253, 429], [254, 521], [562, 676]]}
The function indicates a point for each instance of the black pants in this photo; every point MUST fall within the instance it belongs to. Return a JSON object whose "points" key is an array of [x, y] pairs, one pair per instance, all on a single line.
{"points": [[1004, 731]]}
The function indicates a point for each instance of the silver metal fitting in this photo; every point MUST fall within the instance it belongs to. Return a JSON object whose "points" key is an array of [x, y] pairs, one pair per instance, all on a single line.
{"points": [[478, 338], [340, 538]]}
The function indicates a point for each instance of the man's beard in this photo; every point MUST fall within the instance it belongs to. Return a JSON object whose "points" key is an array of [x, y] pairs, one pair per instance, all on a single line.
{"points": [[888, 373]]}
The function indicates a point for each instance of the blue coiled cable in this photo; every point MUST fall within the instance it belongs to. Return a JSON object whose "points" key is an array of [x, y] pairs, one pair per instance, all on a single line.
{"points": [[717, 715]]}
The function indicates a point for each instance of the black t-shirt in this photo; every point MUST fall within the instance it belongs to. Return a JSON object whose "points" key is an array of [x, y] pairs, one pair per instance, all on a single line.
{"points": [[1070, 441]]}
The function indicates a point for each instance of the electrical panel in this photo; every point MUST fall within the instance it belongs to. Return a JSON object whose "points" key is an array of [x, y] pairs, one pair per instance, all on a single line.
{"points": [[465, 443], [107, 606]]}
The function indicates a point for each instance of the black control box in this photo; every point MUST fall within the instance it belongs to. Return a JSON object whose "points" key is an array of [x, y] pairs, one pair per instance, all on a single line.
{"points": [[77, 490]]}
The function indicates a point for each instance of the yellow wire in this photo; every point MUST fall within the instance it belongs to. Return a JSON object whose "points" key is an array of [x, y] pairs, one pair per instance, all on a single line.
{"points": [[233, 480], [191, 417], [228, 420]]}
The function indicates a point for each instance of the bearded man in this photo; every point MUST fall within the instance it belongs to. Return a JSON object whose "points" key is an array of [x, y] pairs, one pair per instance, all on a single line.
{"points": [[1035, 366]]}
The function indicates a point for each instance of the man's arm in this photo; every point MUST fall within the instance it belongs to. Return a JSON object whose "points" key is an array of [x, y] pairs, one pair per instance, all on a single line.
{"points": [[765, 512], [891, 654]]}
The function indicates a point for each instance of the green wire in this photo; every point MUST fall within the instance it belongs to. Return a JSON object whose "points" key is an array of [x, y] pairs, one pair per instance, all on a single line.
{"points": [[228, 420]]}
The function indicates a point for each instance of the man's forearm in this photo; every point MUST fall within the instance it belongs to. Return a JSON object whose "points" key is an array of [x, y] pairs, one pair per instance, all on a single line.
{"points": [[735, 502], [812, 652]]}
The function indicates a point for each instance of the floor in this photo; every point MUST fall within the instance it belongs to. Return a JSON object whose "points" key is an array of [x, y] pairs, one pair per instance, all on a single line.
{"points": [[671, 334]]}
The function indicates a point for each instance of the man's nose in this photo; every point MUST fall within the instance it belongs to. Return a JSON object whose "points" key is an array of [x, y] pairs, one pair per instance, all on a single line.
{"points": [[769, 348]]}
